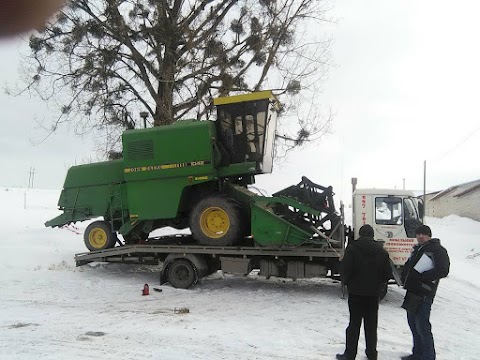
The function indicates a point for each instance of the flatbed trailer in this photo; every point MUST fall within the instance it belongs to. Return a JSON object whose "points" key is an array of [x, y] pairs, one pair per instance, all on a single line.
{"points": [[184, 262]]}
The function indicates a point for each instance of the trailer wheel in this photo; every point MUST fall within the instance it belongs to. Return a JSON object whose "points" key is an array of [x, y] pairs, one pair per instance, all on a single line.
{"points": [[182, 274], [98, 236], [217, 220]]}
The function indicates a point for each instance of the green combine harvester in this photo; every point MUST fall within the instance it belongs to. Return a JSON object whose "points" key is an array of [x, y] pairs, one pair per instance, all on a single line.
{"points": [[195, 174]]}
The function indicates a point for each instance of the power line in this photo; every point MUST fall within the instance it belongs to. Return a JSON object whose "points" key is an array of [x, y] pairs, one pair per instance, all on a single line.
{"points": [[458, 144]]}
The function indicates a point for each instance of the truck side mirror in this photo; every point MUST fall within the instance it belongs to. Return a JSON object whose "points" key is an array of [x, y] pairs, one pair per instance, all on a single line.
{"points": [[420, 209]]}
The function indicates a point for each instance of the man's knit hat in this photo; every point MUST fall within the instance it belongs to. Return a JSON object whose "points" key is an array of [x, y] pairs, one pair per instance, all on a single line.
{"points": [[424, 230], [366, 231]]}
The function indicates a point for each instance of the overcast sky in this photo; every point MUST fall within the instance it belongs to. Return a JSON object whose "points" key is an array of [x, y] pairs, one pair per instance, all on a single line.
{"points": [[405, 89]]}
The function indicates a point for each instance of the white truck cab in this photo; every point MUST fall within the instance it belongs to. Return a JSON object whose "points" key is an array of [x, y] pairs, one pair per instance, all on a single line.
{"points": [[394, 216]]}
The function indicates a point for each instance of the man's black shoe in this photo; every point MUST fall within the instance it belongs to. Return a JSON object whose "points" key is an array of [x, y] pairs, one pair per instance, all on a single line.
{"points": [[409, 357], [343, 357], [373, 356]]}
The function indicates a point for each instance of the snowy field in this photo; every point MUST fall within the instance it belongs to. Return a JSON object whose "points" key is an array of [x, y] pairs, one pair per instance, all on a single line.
{"points": [[49, 309]]}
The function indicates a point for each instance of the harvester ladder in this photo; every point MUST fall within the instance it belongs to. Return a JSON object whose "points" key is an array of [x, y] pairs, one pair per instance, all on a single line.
{"points": [[116, 191]]}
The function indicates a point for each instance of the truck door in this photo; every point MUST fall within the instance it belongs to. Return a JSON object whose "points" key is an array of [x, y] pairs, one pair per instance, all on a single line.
{"points": [[393, 216]]}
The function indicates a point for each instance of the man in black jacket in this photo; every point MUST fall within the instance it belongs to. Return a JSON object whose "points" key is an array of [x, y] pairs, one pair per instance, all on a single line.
{"points": [[365, 270], [428, 263]]}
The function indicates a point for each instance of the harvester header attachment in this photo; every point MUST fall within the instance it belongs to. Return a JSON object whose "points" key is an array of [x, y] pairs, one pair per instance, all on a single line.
{"points": [[300, 214]]}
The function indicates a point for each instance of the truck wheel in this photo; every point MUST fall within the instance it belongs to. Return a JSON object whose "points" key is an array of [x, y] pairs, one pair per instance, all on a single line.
{"points": [[182, 274], [98, 236], [217, 220]]}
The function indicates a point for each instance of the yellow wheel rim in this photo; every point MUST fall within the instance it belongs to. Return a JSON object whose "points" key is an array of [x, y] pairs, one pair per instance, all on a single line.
{"points": [[214, 222], [97, 238]]}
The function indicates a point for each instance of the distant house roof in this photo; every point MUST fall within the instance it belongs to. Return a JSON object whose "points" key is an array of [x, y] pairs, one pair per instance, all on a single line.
{"points": [[459, 190], [431, 194]]}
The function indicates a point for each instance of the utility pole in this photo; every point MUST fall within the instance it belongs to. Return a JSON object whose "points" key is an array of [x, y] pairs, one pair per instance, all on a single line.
{"points": [[354, 187], [403, 183], [424, 189], [31, 177]]}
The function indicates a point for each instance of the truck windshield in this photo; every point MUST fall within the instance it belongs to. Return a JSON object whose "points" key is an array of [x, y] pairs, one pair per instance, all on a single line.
{"points": [[388, 211]]}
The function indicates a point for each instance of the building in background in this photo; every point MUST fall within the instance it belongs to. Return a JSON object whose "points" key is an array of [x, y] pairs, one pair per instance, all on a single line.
{"points": [[462, 200]]}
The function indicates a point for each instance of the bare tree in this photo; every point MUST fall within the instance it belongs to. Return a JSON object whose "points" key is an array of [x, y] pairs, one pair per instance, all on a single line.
{"points": [[104, 61]]}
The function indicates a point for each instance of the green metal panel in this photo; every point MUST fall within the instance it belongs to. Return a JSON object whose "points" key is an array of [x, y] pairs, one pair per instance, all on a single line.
{"points": [[87, 202], [160, 162], [101, 173], [240, 193], [269, 229], [88, 192], [182, 149], [238, 169], [158, 199]]}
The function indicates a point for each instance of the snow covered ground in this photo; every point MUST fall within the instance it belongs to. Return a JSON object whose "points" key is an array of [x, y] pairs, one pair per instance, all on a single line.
{"points": [[49, 309]]}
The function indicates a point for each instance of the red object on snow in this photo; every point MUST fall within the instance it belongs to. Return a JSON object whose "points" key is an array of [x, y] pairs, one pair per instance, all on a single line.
{"points": [[146, 290]]}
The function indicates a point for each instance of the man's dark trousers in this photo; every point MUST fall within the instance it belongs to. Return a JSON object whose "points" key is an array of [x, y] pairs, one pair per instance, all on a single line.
{"points": [[366, 308], [423, 346]]}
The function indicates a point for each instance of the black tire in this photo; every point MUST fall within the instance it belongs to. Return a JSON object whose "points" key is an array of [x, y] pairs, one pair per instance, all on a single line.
{"points": [[182, 274], [179, 224], [217, 220], [99, 236], [135, 238]]}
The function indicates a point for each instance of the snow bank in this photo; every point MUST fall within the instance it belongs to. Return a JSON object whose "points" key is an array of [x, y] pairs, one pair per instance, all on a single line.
{"points": [[49, 309]]}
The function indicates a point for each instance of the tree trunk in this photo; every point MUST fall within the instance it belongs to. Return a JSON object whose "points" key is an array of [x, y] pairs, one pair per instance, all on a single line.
{"points": [[164, 107]]}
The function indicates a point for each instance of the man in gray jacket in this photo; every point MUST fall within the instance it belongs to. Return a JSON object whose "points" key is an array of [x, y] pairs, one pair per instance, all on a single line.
{"points": [[428, 263]]}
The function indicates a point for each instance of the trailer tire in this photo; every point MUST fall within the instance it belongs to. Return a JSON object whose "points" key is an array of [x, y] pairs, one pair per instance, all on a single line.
{"points": [[217, 220], [182, 274], [99, 236]]}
